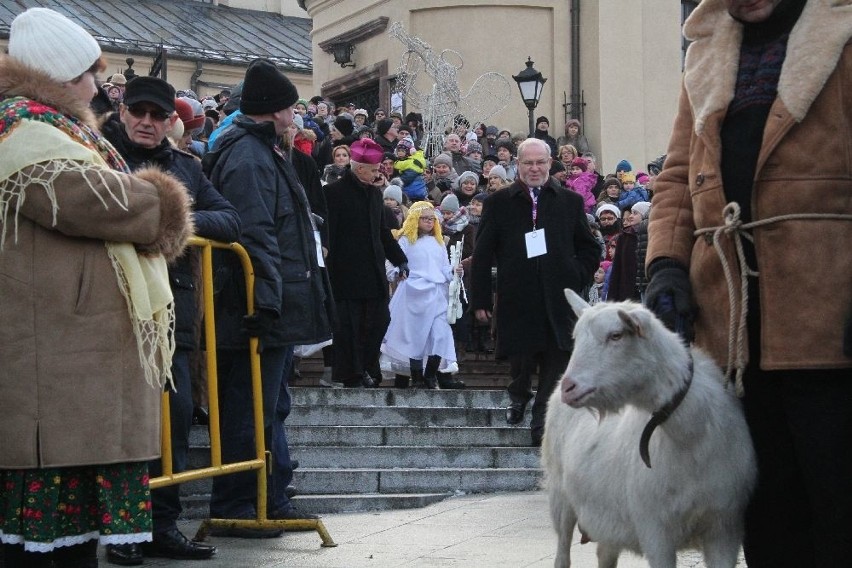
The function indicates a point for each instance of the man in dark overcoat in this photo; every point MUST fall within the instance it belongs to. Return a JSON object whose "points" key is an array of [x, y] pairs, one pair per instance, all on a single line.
{"points": [[537, 234], [358, 244]]}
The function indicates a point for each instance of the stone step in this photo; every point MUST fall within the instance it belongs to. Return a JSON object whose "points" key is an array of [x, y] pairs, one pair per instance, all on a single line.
{"points": [[423, 417], [426, 457], [362, 436], [477, 370], [466, 398], [373, 449]]}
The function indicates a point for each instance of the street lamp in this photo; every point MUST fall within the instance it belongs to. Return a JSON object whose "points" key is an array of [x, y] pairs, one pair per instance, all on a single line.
{"points": [[530, 82]]}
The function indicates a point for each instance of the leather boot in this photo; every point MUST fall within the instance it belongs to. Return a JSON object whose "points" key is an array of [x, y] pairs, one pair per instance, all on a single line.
{"points": [[417, 378], [430, 371], [401, 381], [447, 381]]}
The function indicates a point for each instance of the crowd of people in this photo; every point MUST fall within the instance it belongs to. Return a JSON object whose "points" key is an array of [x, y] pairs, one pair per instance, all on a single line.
{"points": [[362, 245]]}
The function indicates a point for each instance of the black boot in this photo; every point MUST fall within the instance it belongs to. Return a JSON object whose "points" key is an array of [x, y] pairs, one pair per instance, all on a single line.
{"points": [[430, 371], [401, 381], [447, 381], [417, 378]]}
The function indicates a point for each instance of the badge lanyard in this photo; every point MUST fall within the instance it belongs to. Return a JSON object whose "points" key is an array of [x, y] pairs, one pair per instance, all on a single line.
{"points": [[535, 241]]}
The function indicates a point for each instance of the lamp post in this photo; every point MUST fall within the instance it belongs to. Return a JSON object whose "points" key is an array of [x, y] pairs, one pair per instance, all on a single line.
{"points": [[530, 82]]}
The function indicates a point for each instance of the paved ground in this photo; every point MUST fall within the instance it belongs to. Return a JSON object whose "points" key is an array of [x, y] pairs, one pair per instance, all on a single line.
{"points": [[510, 530]]}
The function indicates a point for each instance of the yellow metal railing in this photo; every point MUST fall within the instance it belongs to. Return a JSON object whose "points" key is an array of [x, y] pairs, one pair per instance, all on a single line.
{"points": [[262, 460]]}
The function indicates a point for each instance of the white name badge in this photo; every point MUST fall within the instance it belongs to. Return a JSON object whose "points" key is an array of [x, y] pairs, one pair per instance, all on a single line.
{"points": [[320, 259], [536, 244]]}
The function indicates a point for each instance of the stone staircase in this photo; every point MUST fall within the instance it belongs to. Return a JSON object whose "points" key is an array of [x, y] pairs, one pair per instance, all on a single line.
{"points": [[387, 448]]}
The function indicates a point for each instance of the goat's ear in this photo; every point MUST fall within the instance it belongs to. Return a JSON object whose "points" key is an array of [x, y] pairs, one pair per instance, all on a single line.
{"points": [[632, 325], [577, 303]]}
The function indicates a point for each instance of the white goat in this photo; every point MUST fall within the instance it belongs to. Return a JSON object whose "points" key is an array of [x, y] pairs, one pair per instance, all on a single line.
{"points": [[636, 375]]}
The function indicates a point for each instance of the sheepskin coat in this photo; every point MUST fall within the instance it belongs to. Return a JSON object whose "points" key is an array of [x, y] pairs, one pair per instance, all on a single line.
{"points": [[804, 166], [72, 389]]}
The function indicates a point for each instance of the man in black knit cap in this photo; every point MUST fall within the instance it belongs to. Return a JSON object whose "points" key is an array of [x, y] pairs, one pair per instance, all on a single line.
{"points": [[255, 175], [766, 84]]}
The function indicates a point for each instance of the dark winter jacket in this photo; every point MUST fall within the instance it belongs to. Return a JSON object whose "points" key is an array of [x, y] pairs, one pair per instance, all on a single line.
{"points": [[622, 279], [213, 216], [278, 234], [530, 290]]}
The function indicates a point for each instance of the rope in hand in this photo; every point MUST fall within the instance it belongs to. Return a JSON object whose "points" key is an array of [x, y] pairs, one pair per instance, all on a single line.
{"points": [[738, 230]]}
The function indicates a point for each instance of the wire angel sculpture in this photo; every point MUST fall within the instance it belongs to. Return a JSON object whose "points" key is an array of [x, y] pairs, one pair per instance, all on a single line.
{"points": [[444, 102]]}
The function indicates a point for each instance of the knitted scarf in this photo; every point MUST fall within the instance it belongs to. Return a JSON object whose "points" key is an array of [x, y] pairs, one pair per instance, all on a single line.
{"points": [[39, 144]]}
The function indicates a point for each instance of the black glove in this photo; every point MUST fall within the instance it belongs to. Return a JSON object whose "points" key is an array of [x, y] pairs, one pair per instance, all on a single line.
{"points": [[669, 296], [403, 270], [260, 323]]}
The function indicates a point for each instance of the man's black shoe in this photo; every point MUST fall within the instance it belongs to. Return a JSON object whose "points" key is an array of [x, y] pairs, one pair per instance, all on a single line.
{"points": [[290, 491], [535, 439], [124, 554], [173, 544], [515, 412]]}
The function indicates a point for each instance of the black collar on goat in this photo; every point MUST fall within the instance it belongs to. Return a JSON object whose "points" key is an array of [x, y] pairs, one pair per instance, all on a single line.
{"points": [[663, 414]]}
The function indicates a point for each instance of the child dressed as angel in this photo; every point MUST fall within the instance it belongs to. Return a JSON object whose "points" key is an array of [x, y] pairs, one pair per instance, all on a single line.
{"points": [[418, 329]]}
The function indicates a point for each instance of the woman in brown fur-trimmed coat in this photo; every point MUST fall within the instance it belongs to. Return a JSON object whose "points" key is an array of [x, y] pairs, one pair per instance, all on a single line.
{"points": [[85, 313]]}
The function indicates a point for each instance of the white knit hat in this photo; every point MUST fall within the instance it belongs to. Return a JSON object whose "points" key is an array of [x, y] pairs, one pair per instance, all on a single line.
{"points": [[608, 207], [49, 42]]}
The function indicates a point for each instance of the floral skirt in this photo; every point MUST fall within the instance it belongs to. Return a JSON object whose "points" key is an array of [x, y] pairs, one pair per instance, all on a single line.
{"points": [[47, 508]]}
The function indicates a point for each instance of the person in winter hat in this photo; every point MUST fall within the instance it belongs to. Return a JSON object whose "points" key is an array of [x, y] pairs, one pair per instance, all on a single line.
{"points": [[444, 176], [631, 193], [340, 132], [541, 126], [410, 164], [360, 117], [497, 179], [574, 137], [87, 312], [466, 187], [609, 219], [611, 191], [249, 169], [596, 291], [583, 182], [392, 196], [621, 167]]}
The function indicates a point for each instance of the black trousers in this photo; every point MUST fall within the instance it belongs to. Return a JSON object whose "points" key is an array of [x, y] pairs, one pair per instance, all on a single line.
{"points": [[549, 363], [801, 512], [361, 326], [165, 501]]}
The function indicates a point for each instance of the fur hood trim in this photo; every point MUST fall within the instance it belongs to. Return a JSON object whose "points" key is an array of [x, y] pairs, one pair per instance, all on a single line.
{"points": [[176, 225], [18, 80], [813, 50]]}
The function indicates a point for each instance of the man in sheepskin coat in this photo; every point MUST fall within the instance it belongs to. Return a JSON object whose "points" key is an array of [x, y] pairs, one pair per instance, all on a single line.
{"points": [[766, 82]]}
